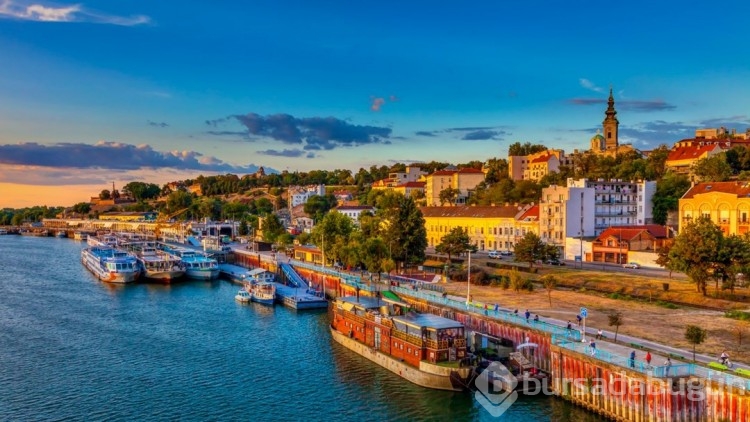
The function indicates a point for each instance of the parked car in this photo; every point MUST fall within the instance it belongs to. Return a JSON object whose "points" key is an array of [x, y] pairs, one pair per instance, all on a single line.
{"points": [[633, 265], [554, 262], [506, 253], [494, 255]]}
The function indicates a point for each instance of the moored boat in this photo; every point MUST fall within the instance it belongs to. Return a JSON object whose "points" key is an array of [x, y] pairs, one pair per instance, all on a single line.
{"points": [[425, 349], [110, 265], [79, 235], [197, 265], [264, 293], [158, 265], [3, 231], [243, 296], [61, 234]]}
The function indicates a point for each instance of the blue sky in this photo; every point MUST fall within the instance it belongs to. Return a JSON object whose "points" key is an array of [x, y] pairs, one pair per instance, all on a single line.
{"points": [[95, 91]]}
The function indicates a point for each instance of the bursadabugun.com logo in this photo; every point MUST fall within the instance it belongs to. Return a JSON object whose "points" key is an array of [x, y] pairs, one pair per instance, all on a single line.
{"points": [[495, 389]]}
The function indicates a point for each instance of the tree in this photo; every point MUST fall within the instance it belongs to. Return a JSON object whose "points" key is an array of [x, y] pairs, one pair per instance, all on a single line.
{"points": [[525, 149], [713, 169], [82, 208], [516, 281], [695, 335], [734, 255], [663, 258], [740, 333], [449, 195], [318, 206], [550, 282], [406, 232], [105, 194], [696, 251], [669, 190], [455, 242], [615, 320], [332, 235], [244, 229], [272, 228], [530, 249], [178, 200]]}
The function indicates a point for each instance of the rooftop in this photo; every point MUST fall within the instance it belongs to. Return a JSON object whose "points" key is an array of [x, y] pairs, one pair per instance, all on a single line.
{"points": [[428, 321], [740, 189], [506, 211]]}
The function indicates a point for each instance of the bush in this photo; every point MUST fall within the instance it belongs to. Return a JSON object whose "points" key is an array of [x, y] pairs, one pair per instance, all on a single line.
{"points": [[668, 305], [740, 315]]}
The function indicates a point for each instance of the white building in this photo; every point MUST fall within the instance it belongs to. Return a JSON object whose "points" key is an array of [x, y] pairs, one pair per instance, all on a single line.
{"points": [[300, 194], [354, 211], [619, 203], [566, 212]]}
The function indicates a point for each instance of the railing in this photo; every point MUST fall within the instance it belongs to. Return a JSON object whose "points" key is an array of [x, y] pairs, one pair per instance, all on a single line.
{"points": [[352, 316], [407, 337], [422, 285], [348, 279], [499, 315], [292, 276]]}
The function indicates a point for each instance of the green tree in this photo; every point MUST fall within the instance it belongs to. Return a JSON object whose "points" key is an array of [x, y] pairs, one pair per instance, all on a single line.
{"points": [[105, 194], [550, 283], [178, 200], [406, 232], [526, 149], [244, 229], [530, 249], [615, 320], [375, 255], [263, 206], [663, 258], [713, 169], [516, 280], [272, 228], [82, 208], [318, 206], [455, 242], [695, 335], [332, 235], [669, 190], [696, 251], [734, 256], [449, 195]]}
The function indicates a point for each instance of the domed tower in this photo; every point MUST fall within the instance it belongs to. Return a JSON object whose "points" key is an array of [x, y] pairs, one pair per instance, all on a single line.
{"points": [[611, 124], [598, 143]]}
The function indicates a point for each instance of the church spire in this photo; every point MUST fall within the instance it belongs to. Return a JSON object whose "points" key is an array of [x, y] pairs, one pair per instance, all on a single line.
{"points": [[611, 112], [610, 123]]}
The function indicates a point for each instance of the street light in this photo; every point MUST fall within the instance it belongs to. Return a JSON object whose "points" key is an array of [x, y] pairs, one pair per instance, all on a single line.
{"points": [[468, 281]]}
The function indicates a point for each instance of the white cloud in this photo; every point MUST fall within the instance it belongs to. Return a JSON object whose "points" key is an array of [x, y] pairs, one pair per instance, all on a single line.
{"points": [[12, 9], [590, 85]]}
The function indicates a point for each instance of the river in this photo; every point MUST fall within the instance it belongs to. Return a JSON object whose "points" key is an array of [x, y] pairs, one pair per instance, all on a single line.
{"points": [[74, 348]]}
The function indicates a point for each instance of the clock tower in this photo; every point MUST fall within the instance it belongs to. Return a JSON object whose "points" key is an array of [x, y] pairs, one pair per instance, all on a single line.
{"points": [[611, 124]]}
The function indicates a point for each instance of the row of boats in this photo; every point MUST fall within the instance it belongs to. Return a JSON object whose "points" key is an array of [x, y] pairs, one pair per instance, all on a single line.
{"points": [[124, 259]]}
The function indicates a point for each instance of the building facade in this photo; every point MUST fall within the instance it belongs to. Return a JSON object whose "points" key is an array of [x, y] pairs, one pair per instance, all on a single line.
{"points": [[566, 212], [354, 211], [618, 202], [619, 245], [488, 227], [464, 180], [727, 204], [537, 165], [300, 194], [411, 174]]}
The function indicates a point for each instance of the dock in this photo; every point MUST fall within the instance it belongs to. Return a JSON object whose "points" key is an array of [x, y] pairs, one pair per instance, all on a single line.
{"points": [[298, 294]]}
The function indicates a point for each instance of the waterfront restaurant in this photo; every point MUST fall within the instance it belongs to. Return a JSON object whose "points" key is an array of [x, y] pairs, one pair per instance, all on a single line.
{"points": [[443, 339]]}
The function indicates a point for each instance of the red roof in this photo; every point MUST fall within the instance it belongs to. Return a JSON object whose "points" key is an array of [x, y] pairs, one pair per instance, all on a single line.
{"points": [[444, 173], [470, 170], [355, 207], [412, 185], [542, 159], [691, 152], [630, 232], [532, 212], [740, 189], [508, 211], [466, 170]]}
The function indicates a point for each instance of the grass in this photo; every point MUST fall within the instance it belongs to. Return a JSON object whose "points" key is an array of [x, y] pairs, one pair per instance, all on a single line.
{"points": [[739, 315], [453, 364]]}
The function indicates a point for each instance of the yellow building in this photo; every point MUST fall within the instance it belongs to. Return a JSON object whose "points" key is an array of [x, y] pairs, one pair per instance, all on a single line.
{"points": [[465, 180], [537, 165], [687, 152], [128, 216], [727, 204], [489, 228]]}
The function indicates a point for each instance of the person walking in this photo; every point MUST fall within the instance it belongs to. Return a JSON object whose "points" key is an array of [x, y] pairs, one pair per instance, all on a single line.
{"points": [[648, 358], [485, 309], [536, 317], [593, 348], [578, 317], [569, 328], [528, 315], [667, 365], [496, 308], [632, 359]]}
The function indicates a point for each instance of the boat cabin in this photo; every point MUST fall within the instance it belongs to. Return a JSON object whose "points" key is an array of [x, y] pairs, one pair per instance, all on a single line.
{"points": [[391, 328]]}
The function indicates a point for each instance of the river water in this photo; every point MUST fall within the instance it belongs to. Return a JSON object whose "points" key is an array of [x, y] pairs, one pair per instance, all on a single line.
{"points": [[74, 348]]}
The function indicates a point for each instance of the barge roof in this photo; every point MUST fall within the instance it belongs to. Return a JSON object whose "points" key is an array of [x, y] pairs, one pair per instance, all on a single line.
{"points": [[427, 321]]}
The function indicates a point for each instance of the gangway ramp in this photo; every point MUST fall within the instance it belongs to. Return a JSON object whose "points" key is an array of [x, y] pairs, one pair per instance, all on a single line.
{"points": [[194, 242], [293, 277]]}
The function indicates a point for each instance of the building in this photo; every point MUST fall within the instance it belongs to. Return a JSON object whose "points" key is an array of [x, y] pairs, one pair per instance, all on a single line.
{"points": [[129, 216], [537, 165], [354, 211], [621, 245], [687, 152], [488, 227], [609, 141], [410, 188], [722, 133], [411, 174], [727, 204], [464, 180], [566, 212], [300, 194], [618, 202]]}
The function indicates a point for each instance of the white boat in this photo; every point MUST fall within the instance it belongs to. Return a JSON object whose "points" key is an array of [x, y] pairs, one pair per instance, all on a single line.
{"points": [[102, 240], [197, 264], [243, 296], [3, 231], [264, 293], [61, 234], [158, 265], [111, 265]]}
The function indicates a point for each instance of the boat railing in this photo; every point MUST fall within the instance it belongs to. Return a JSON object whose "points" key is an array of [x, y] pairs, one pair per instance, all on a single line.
{"points": [[353, 317], [407, 337]]}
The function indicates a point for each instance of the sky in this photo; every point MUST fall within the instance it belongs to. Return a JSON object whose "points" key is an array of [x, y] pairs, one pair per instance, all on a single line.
{"points": [[109, 91]]}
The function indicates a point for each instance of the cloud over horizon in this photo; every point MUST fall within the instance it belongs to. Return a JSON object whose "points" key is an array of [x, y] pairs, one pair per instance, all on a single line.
{"points": [[308, 133], [24, 10], [111, 155], [472, 133], [629, 105]]}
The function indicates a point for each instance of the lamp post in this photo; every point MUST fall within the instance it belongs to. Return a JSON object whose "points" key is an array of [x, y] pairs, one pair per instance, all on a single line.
{"points": [[468, 281]]}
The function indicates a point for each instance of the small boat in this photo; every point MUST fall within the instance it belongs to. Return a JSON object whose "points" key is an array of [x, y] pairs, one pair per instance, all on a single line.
{"points": [[61, 234], [264, 293], [3, 231], [158, 265], [243, 296], [197, 264]]}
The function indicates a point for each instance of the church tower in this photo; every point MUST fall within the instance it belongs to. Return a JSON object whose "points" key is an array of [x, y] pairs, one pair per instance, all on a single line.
{"points": [[611, 124]]}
